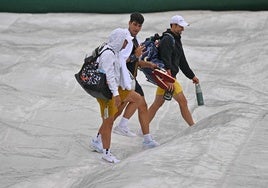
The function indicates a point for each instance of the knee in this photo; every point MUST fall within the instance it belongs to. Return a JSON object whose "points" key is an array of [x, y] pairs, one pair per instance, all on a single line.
{"points": [[158, 102], [118, 113], [135, 97], [182, 100], [143, 107], [139, 100]]}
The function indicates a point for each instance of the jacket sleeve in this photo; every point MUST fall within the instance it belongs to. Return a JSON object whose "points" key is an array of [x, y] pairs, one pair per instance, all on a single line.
{"points": [[185, 68], [107, 64], [165, 51]]}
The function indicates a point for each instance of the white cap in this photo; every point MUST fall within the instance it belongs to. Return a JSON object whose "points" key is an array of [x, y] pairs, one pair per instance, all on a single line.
{"points": [[178, 20]]}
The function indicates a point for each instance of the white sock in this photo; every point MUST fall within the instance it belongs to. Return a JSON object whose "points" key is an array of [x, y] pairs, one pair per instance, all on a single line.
{"points": [[147, 138], [106, 151], [99, 137], [123, 122]]}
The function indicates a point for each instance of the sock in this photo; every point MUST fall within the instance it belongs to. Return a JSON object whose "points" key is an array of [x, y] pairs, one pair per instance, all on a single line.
{"points": [[123, 122], [99, 137], [106, 151], [147, 138]]}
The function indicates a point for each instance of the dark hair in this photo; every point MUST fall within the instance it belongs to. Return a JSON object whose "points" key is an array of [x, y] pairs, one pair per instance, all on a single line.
{"points": [[137, 17]]}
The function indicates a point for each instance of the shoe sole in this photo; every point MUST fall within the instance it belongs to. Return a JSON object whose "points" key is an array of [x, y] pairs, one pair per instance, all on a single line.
{"points": [[123, 134], [150, 146], [114, 161], [95, 148]]}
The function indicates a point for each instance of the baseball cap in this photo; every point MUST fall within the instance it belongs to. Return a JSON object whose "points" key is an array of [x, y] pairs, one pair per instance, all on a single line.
{"points": [[178, 20]]}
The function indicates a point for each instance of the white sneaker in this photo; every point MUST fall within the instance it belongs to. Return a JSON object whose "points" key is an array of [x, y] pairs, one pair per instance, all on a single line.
{"points": [[96, 145], [150, 144], [123, 131], [110, 158]]}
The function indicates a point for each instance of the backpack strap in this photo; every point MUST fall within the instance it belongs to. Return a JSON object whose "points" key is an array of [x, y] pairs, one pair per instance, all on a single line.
{"points": [[99, 54], [171, 36]]}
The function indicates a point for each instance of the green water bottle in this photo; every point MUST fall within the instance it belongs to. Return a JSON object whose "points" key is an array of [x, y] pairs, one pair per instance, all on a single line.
{"points": [[199, 95]]}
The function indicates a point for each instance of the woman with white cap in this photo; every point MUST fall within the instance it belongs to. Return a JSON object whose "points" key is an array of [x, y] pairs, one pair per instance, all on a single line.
{"points": [[172, 54]]}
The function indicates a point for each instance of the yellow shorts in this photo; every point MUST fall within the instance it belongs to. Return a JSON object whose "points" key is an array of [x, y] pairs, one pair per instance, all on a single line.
{"points": [[112, 109], [177, 89]]}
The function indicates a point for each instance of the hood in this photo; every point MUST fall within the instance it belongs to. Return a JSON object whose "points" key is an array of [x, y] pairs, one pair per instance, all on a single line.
{"points": [[117, 38]]}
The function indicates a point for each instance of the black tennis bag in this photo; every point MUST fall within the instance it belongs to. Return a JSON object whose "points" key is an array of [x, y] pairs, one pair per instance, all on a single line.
{"points": [[91, 79]]}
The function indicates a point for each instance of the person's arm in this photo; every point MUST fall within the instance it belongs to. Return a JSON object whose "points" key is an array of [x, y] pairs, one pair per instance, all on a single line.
{"points": [[147, 64], [107, 61], [187, 71], [184, 66], [165, 50]]}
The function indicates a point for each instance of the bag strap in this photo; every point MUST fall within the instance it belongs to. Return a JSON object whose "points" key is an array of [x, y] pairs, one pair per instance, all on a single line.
{"points": [[99, 54], [171, 36]]}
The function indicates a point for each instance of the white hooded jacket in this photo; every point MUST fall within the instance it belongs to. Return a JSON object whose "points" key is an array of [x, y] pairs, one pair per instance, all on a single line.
{"points": [[109, 61], [124, 55]]}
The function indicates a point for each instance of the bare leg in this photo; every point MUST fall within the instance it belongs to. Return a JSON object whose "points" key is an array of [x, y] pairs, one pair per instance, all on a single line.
{"points": [[131, 103], [143, 115], [120, 109], [186, 114], [105, 131], [158, 102]]}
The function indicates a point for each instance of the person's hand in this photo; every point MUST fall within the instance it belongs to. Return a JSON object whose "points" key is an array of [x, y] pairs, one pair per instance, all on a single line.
{"points": [[139, 51], [169, 72], [170, 86], [195, 80]]}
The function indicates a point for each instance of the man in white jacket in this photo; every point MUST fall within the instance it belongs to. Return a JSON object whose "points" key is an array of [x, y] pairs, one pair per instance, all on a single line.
{"points": [[109, 62]]}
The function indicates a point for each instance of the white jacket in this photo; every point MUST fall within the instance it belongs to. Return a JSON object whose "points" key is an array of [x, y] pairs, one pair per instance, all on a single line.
{"points": [[124, 55], [126, 80], [109, 61]]}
